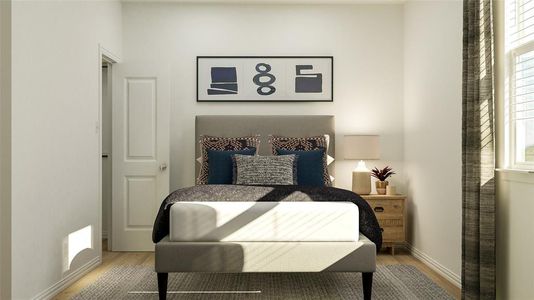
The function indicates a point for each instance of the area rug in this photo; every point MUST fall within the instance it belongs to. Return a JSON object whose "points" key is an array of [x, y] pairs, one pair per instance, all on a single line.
{"points": [[139, 282]]}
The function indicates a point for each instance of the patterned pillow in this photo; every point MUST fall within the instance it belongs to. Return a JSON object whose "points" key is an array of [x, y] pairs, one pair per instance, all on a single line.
{"points": [[303, 144], [265, 170], [221, 144]]}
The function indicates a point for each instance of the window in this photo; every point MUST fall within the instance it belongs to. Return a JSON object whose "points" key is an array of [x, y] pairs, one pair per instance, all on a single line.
{"points": [[520, 83]]}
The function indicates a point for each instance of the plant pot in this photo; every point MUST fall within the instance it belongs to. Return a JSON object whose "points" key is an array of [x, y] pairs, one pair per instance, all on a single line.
{"points": [[381, 187]]}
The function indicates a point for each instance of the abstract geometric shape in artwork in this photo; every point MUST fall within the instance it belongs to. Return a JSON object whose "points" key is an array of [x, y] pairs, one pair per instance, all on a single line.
{"points": [[265, 86], [308, 83], [224, 81]]}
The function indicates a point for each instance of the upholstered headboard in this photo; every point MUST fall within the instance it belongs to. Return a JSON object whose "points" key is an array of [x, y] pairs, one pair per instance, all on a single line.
{"points": [[238, 126]]}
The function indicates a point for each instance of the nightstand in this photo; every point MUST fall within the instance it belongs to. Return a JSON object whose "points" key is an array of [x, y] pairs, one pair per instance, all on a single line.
{"points": [[390, 210]]}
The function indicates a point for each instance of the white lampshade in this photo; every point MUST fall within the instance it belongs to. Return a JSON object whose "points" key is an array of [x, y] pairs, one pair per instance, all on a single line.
{"points": [[363, 147]]}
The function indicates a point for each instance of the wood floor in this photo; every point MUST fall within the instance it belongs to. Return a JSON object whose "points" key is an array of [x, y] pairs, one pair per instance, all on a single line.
{"points": [[111, 259]]}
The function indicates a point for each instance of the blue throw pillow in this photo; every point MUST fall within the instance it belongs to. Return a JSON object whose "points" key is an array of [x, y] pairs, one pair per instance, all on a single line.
{"points": [[310, 166], [221, 169]]}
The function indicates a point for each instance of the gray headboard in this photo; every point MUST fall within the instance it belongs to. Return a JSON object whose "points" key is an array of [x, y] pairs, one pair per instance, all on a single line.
{"points": [[237, 126]]}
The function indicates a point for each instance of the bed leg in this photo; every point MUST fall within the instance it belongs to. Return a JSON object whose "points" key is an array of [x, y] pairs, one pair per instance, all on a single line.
{"points": [[367, 282], [162, 285]]}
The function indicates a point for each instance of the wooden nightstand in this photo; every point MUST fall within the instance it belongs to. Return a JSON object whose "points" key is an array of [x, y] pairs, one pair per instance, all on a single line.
{"points": [[390, 210]]}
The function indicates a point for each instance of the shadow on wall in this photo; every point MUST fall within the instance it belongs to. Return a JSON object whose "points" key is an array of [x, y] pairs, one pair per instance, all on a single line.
{"points": [[410, 210], [505, 238], [529, 153]]}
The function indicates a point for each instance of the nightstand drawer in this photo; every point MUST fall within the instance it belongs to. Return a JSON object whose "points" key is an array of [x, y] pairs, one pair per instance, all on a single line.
{"points": [[393, 234], [389, 222], [387, 207]]}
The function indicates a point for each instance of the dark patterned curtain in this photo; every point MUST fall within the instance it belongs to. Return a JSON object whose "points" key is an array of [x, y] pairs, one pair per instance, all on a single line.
{"points": [[478, 154]]}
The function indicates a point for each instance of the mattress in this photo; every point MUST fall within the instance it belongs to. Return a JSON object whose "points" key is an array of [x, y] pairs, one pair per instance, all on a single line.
{"points": [[264, 222]]}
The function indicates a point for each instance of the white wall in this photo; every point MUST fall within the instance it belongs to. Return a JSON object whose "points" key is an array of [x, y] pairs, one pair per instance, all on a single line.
{"points": [[365, 40], [55, 143], [432, 123], [514, 235], [5, 149], [393, 77]]}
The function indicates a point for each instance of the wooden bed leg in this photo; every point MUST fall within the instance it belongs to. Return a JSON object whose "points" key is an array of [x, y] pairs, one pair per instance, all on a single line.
{"points": [[162, 285], [367, 282]]}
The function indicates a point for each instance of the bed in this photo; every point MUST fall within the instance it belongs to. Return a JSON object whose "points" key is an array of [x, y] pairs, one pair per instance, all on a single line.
{"points": [[282, 228]]}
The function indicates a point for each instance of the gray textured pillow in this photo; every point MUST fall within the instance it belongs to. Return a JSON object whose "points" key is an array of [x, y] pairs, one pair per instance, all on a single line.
{"points": [[265, 170]]}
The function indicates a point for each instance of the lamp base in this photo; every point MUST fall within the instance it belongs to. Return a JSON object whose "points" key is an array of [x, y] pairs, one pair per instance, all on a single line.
{"points": [[361, 182]]}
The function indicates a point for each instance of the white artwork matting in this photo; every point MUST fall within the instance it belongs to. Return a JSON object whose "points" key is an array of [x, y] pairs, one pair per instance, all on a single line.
{"points": [[266, 78]]}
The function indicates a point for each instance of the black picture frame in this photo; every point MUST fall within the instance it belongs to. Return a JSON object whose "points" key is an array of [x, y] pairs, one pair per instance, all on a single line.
{"points": [[330, 99]]}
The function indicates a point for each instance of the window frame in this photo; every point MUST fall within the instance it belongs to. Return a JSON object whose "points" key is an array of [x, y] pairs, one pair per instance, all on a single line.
{"points": [[513, 54]]}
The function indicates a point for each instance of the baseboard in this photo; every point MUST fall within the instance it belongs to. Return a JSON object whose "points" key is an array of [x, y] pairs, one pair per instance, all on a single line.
{"points": [[436, 266], [66, 281]]}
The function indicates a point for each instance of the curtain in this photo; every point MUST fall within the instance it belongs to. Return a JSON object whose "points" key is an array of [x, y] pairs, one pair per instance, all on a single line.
{"points": [[478, 153]]}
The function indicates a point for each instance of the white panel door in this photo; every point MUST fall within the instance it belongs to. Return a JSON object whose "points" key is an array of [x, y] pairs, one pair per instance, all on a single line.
{"points": [[141, 105]]}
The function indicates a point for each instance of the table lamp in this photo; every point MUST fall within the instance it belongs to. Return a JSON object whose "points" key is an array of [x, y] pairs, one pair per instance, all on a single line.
{"points": [[361, 147]]}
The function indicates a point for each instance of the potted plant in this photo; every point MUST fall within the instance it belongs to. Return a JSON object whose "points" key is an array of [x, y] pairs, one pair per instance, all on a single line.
{"points": [[382, 175]]}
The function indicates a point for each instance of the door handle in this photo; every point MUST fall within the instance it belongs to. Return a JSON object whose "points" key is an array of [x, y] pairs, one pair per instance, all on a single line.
{"points": [[163, 167]]}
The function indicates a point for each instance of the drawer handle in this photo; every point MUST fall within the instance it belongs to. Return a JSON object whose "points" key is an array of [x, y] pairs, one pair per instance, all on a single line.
{"points": [[379, 209]]}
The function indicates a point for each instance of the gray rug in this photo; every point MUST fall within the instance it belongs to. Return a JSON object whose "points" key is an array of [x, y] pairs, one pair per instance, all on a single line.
{"points": [[390, 282]]}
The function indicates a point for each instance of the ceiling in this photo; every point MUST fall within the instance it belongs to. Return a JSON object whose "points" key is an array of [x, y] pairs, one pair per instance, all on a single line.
{"points": [[274, 1]]}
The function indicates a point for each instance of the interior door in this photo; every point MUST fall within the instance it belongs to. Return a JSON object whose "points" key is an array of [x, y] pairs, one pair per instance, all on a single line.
{"points": [[141, 105]]}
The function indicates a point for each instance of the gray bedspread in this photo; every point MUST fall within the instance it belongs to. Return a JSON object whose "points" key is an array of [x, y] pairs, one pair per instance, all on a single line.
{"points": [[368, 222]]}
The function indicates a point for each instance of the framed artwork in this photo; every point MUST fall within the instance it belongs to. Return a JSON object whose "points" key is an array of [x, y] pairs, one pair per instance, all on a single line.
{"points": [[265, 78]]}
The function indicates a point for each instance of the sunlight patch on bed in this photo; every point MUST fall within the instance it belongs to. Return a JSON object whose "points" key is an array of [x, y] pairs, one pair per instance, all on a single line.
{"points": [[264, 221]]}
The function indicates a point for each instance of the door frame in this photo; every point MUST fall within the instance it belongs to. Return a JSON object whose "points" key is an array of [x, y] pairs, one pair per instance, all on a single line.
{"points": [[104, 56]]}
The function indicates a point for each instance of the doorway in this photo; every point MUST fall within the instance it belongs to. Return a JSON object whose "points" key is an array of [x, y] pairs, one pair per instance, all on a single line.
{"points": [[106, 144], [104, 129]]}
